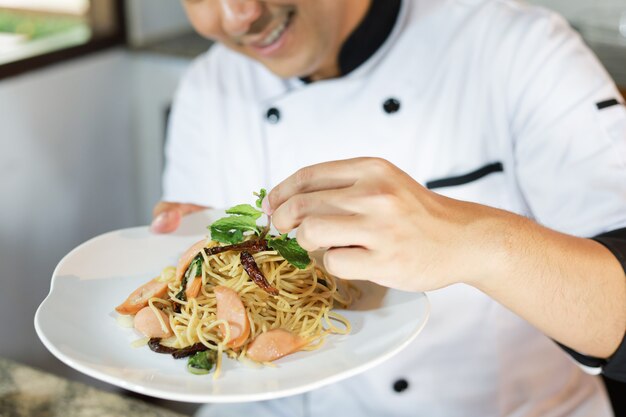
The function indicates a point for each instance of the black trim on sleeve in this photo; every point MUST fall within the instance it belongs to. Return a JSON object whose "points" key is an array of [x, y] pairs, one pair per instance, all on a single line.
{"points": [[466, 178], [607, 103], [615, 241], [615, 366], [590, 361]]}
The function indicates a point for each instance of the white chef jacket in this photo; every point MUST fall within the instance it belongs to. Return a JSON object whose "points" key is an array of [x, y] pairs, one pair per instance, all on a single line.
{"points": [[478, 83]]}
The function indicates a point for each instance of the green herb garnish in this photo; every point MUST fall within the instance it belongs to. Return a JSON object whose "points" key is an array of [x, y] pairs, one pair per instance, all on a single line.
{"points": [[194, 270], [261, 195], [201, 363], [181, 294], [195, 267], [290, 250], [231, 229], [245, 210], [242, 221]]}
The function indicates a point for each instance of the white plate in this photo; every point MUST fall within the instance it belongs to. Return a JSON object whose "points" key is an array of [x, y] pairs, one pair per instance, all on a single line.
{"points": [[76, 322]]}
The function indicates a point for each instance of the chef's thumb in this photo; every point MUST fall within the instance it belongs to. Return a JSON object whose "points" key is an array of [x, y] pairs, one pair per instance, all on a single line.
{"points": [[166, 216], [265, 206], [167, 221]]}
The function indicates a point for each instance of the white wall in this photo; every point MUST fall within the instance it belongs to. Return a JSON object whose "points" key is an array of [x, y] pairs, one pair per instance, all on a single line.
{"points": [[568, 8], [575, 10], [154, 19], [80, 155], [155, 79], [601, 23], [67, 175]]}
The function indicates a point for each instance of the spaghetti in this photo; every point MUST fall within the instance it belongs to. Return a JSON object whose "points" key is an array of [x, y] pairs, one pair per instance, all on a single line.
{"points": [[300, 314]]}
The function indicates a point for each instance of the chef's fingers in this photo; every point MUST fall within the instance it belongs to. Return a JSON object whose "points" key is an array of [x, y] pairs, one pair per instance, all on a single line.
{"points": [[291, 213], [350, 263], [166, 216], [324, 176], [318, 232]]}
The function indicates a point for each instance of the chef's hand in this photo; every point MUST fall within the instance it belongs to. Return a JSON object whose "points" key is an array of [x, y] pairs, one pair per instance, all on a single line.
{"points": [[166, 216], [382, 226]]}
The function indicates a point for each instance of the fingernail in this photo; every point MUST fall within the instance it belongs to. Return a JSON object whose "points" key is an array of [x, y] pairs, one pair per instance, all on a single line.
{"points": [[265, 206], [160, 222]]}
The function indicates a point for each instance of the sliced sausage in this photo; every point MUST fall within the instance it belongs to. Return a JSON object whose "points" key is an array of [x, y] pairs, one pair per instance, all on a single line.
{"points": [[139, 298], [147, 323], [187, 257], [274, 344], [231, 309]]}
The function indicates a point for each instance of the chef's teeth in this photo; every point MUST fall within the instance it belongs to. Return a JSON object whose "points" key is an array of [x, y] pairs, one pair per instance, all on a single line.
{"points": [[275, 34]]}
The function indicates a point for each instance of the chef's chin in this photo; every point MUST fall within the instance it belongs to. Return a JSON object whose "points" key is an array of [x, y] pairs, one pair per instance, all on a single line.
{"points": [[293, 66], [299, 54]]}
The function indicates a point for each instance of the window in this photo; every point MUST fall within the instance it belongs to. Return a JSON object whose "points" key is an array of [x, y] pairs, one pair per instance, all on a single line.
{"points": [[34, 33]]}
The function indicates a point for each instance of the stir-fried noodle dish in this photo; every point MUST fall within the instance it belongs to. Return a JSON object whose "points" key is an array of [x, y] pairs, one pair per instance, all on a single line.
{"points": [[242, 292]]}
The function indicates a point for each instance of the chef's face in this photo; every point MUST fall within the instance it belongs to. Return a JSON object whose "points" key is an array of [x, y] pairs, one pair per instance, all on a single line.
{"points": [[290, 37]]}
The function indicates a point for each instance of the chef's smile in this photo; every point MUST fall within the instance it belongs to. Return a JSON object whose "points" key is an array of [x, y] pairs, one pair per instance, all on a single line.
{"points": [[273, 39], [292, 38]]}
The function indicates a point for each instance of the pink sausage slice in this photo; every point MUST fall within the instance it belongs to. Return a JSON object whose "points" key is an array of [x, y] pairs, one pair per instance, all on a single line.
{"points": [[231, 309], [139, 298], [274, 344], [147, 323], [193, 288], [187, 257]]}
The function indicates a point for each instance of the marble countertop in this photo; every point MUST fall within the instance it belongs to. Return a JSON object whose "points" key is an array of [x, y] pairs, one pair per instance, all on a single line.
{"points": [[26, 392]]}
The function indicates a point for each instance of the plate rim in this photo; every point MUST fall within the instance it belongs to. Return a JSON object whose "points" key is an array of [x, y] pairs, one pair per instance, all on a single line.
{"points": [[208, 398]]}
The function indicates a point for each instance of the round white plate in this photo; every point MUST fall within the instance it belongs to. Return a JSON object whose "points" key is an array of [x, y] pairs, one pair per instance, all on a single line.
{"points": [[76, 322]]}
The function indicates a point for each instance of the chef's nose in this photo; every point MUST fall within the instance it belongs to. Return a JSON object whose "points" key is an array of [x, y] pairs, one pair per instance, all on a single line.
{"points": [[239, 15]]}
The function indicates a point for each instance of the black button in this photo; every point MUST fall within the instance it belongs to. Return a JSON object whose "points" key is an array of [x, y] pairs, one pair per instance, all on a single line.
{"points": [[400, 385], [273, 115], [391, 105]]}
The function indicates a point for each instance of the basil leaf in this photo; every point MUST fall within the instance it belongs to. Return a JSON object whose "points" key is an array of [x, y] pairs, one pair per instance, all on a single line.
{"points": [[261, 195], [231, 237], [231, 229], [290, 250], [181, 294], [194, 270], [245, 210], [202, 362], [197, 264]]}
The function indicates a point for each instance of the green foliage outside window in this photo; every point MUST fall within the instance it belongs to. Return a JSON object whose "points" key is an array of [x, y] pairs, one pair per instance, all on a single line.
{"points": [[36, 26]]}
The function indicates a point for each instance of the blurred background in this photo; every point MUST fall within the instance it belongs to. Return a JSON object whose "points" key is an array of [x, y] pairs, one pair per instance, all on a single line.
{"points": [[85, 92]]}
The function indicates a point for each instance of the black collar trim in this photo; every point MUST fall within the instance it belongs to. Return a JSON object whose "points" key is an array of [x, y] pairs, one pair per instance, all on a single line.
{"points": [[368, 36]]}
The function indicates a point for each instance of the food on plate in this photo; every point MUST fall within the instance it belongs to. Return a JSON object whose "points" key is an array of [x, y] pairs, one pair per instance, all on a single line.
{"points": [[242, 292]]}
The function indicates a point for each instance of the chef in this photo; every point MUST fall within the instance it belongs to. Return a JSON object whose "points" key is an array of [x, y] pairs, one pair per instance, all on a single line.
{"points": [[474, 149]]}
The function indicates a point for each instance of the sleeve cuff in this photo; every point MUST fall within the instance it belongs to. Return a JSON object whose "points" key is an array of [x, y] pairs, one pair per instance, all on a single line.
{"points": [[615, 241], [615, 366]]}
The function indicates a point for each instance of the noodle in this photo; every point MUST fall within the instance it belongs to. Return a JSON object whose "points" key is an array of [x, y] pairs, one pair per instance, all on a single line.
{"points": [[302, 307], [268, 307]]}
